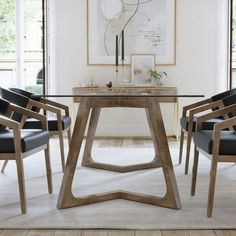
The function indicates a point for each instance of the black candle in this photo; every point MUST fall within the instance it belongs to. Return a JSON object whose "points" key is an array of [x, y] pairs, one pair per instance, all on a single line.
{"points": [[117, 50], [122, 45]]}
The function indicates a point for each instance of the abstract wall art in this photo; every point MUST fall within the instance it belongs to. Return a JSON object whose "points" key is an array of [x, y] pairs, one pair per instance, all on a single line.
{"points": [[149, 28]]}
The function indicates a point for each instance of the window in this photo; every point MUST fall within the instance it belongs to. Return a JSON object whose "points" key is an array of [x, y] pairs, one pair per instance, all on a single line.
{"points": [[22, 44], [233, 44]]}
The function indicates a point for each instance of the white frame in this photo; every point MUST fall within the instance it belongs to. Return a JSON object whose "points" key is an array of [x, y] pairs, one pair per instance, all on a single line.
{"points": [[162, 26], [141, 63]]}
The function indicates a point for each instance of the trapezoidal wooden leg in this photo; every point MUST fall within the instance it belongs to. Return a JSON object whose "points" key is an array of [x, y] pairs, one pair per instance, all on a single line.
{"points": [[171, 198], [88, 161], [66, 198]]}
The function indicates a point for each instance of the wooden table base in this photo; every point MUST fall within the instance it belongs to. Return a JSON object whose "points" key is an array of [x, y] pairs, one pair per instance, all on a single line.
{"points": [[162, 157]]}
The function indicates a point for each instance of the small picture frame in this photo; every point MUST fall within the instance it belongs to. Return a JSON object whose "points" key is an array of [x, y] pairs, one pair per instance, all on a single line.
{"points": [[141, 64]]}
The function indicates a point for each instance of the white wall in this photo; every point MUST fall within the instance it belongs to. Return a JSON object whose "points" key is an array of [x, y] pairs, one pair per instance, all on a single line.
{"points": [[195, 70]]}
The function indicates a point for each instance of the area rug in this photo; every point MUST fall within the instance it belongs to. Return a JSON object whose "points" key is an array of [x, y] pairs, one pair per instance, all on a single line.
{"points": [[117, 214]]}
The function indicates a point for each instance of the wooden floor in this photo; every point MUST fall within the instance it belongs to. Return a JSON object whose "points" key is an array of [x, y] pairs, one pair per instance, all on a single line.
{"points": [[119, 143], [118, 232]]}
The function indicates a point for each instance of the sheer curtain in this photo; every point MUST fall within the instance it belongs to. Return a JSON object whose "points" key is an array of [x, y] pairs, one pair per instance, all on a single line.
{"points": [[222, 67]]}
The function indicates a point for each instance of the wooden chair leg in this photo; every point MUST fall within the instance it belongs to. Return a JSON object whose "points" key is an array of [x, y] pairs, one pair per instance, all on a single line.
{"points": [[195, 168], [211, 191], [4, 166], [61, 141], [181, 146], [48, 169], [69, 136], [21, 183], [188, 148]]}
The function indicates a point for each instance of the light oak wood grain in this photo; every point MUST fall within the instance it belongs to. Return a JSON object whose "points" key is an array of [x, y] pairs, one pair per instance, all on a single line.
{"points": [[201, 232], [148, 233], [174, 233], [162, 154], [41, 232], [225, 232], [74, 232], [14, 233], [137, 143], [108, 143], [94, 233], [216, 156], [121, 233], [18, 155]]}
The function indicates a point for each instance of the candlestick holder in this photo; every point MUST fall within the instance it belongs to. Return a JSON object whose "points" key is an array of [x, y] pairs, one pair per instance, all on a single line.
{"points": [[117, 76], [122, 75]]}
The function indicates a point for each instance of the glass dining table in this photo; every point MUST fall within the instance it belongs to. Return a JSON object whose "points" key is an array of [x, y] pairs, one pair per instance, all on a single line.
{"points": [[92, 100]]}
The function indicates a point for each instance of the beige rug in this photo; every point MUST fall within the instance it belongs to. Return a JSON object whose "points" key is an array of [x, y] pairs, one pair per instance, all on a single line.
{"points": [[117, 214]]}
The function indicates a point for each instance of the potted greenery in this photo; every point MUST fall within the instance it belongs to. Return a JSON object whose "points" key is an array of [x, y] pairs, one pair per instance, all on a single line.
{"points": [[156, 76]]}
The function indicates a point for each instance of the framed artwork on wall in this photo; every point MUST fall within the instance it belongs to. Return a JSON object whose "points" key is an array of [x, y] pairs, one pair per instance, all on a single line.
{"points": [[141, 64], [149, 27]]}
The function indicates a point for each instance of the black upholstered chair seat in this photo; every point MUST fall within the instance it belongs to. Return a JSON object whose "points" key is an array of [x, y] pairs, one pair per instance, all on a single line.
{"points": [[204, 140], [207, 125], [52, 123], [30, 139]]}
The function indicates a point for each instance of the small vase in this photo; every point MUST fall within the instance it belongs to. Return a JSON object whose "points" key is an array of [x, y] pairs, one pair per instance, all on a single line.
{"points": [[157, 83]]}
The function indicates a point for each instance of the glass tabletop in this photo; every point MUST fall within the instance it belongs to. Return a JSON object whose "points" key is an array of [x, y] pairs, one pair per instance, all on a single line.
{"points": [[122, 92]]}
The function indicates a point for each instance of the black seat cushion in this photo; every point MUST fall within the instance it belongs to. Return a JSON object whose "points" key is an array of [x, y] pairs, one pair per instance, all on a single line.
{"points": [[204, 140], [30, 139], [52, 123], [206, 125]]}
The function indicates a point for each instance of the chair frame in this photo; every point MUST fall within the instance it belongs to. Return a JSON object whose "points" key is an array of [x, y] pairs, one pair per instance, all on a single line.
{"points": [[192, 110], [18, 155], [215, 157], [55, 108]]}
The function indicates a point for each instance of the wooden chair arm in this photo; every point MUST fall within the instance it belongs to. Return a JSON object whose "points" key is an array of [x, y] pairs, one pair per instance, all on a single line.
{"points": [[217, 130], [221, 112], [218, 104], [16, 127], [31, 114], [195, 105], [56, 104], [46, 107], [5, 121], [225, 124]]}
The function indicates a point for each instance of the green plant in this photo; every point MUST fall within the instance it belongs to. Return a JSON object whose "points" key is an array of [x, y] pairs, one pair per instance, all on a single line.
{"points": [[157, 75]]}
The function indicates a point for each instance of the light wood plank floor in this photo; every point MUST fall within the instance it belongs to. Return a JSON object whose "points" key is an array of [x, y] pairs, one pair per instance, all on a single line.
{"points": [[118, 142], [118, 232]]}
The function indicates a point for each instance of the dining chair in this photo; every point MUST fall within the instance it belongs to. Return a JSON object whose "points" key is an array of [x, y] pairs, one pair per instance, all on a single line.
{"points": [[188, 120], [218, 145], [57, 124], [17, 143]]}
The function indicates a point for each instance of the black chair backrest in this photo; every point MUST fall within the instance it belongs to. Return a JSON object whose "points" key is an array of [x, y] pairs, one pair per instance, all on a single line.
{"points": [[28, 95], [230, 100], [4, 105], [224, 94], [24, 93], [15, 98]]}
